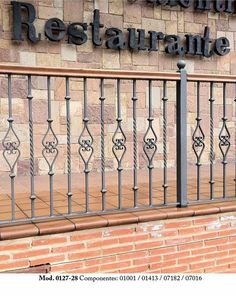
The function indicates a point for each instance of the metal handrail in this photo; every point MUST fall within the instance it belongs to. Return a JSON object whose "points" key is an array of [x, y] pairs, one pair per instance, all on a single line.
{"points": [[105, 73], [89, 73]]}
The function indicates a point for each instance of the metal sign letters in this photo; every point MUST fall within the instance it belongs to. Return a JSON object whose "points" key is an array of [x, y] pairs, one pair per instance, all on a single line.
{"points": [[114, 38]]}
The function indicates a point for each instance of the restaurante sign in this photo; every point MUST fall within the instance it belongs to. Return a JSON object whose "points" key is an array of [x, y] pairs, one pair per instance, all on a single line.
{"points": [[114, 38]]}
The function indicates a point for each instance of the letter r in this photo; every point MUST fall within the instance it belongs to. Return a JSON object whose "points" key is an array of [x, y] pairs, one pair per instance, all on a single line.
{"points": [[18, 23]]}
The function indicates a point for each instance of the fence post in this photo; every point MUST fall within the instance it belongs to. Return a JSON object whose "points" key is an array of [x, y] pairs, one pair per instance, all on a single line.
{"points": [[181, 135]]}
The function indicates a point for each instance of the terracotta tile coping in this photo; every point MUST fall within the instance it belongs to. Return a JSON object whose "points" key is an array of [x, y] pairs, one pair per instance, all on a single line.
{"points": [[115, 219]]}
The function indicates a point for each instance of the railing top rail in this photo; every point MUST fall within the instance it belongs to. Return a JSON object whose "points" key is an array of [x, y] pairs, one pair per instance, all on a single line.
{"points": [[89, 73], [112, 74], [211, 78]]}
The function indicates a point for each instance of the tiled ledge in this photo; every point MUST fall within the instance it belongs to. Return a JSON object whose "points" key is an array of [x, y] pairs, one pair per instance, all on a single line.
{"points": [[72, 224]]}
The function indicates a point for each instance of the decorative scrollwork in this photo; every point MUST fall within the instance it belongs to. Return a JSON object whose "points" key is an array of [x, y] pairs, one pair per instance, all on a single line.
{"points": [[86, 145], [150, 140], [11, 144], [11, 147], [50, 146], [198, 142], [119, 144], [150, 143], [224, 138], [119, 140], [50, 143]]}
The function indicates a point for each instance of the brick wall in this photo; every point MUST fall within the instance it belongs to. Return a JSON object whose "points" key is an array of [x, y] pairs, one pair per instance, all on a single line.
{"points": [[189, 245]]}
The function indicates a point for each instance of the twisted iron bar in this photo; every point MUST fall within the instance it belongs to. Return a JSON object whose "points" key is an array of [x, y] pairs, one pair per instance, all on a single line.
{"points": [[135, 145], [212, 154], [165, 99], [68, 142], [31, 136], [102, 100]]}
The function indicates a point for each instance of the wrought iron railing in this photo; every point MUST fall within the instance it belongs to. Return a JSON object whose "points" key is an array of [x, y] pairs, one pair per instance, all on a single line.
{"points": [[148, 180], [222, 139]]}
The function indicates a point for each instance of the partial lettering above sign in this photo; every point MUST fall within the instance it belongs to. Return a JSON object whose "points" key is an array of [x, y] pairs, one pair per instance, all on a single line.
{"points": [[228, 6], [114, 38]]}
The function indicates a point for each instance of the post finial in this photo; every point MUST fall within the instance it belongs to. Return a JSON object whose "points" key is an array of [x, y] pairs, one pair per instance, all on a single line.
{"points": [[181, 64]]}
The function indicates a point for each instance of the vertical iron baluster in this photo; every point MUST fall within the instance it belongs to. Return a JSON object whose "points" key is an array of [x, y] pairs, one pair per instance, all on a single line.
{"points": [[181, 136], [51, 174], [212, 154], [135, 148], [11, 144], [150, 140], [119, 141], [103, 190], [164, 99], [198, 141], [86, 142], [198, 119], [119, 165], [235, 143], [224, 138], [31, 136], [12, 174], [68, 121], [50, 143], [224, 160]]}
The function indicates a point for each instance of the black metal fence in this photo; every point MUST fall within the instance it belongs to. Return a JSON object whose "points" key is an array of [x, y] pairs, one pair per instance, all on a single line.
{"points": [[179, 196]]}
